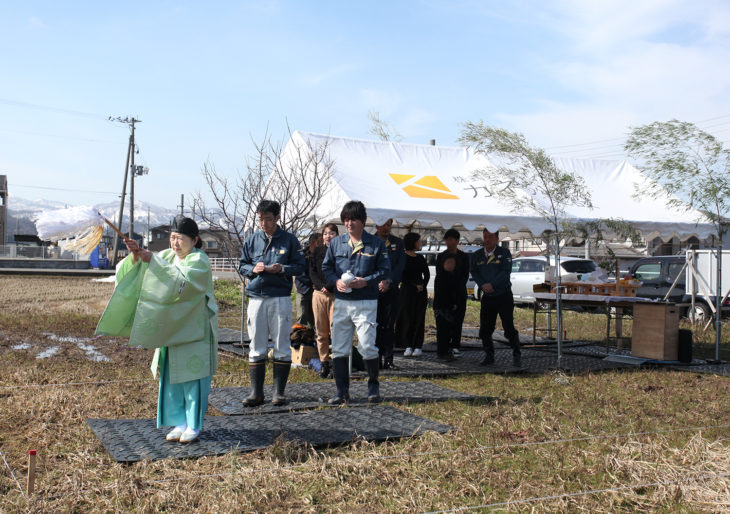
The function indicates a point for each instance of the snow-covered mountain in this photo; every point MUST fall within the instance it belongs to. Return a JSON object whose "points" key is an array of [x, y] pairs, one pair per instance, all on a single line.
{"points": [[21, 213]]}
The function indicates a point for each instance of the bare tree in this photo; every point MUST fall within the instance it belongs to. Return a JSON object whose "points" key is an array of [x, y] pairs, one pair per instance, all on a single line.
{"points": [[297, 175], [381, 129]]}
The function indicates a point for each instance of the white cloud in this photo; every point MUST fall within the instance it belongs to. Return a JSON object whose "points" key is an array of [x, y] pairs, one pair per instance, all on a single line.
{"points": [[317, 78], [631, 63], [36, 22]]}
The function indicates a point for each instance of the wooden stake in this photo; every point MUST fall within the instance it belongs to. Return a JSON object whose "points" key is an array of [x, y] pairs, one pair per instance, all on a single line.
{"points": [[31, 471]]}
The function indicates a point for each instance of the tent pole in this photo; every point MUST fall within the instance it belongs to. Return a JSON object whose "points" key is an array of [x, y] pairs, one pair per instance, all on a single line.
{"points": [[718, 300], [557, 301]]}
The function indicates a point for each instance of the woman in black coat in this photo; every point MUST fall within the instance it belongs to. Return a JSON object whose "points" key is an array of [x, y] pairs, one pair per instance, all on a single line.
{"points": [[413, 298]]}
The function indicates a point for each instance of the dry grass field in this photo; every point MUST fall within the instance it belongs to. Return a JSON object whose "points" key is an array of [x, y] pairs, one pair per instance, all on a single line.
{"points": [[611, 442]]}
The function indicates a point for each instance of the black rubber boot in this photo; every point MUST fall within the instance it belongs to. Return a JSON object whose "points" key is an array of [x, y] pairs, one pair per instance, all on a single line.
{"points": [[488, 346], [257, 372], [326, 370], [373, 384], [281, 375], [516, 352], [342, 380]]}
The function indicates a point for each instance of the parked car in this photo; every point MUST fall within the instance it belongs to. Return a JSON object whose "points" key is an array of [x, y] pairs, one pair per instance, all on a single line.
{"points": [[528, 271], [657, 274]]}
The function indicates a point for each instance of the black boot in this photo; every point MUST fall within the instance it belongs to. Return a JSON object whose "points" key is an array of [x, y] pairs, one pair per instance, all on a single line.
{"points": [[488, 346], [281, 375], [516, 353], [342, 380], [257, 372], [373, 384], [326, 371]]}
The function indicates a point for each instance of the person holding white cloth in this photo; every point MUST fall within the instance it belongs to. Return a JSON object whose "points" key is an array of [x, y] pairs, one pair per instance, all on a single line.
{"points": [[355, 262]]}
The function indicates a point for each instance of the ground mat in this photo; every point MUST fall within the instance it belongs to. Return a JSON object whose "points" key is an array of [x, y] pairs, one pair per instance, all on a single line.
{"points": [[132, 440], [311, 395]]}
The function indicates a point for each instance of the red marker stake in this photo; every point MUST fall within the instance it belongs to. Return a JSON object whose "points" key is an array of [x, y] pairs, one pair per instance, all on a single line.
{"points": [[31, 471]]}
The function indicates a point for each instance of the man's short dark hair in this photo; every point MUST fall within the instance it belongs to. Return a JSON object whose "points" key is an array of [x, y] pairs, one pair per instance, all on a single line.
{"points": [[354, 210], [268, 207], [410, 240], [452, 233]]}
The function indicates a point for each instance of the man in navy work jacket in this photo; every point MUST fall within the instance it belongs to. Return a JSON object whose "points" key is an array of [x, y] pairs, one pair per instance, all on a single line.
{"points": [[491, 270], [356, 301], [388, 289], [271, 257]]}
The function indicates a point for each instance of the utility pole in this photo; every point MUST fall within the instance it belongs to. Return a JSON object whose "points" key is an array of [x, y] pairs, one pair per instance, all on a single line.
{"points": [[182, 204], [130, 150], [149, 232]]}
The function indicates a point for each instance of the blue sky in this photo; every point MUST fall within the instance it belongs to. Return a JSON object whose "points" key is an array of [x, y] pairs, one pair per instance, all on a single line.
{"points": [[206, 78]]}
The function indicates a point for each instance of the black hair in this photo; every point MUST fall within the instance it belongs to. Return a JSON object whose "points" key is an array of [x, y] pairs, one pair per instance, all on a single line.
{"points": [[453, 234], [268, 206], [188, 227], [410, 240], [314, 237], [332, 227], [354, 210]]}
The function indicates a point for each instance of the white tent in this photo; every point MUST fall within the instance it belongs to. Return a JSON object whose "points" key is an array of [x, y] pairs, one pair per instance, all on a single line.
{"points": [[429, 184]]}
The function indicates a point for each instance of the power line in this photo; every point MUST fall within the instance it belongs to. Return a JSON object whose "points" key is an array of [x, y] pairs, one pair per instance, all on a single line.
{"points": [[57, 136], [58, 110], [65, 189]]}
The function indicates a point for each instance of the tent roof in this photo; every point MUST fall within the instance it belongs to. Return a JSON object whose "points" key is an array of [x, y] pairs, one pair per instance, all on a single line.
{"points": [[432, 184]]}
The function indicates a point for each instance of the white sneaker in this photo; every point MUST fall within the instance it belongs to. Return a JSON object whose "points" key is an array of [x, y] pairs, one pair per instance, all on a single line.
{"points": [[417, 352], [408, 352], [175, 433], [456, 352], [189, 435]]}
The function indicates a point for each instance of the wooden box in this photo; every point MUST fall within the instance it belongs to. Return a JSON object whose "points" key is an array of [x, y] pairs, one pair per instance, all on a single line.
{"points": [[655, 334], [303, 354], [608, 289]]}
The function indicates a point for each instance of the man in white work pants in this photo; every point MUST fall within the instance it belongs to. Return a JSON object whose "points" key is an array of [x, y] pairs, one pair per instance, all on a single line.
{"points": [[269, 316], [355, 316]]}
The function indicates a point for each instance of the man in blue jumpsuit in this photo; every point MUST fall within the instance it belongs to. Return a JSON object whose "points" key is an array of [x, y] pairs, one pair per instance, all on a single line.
{"points": [[388, 293], [491, 268], [356, 299], [270, 258]]}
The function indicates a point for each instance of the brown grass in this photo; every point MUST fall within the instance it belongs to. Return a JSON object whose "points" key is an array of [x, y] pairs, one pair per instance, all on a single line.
{"points": [[490, 458]]}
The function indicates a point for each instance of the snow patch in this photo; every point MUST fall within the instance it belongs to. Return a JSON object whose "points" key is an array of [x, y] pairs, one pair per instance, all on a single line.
{"points": [[50, 352], [110, 278], [92, 353], [21, 346]]}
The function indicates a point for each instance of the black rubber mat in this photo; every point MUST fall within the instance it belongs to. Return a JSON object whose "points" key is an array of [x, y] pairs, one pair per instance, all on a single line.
{"points": [[229, 335], [131, 440], [312, 395], [234, 349]]}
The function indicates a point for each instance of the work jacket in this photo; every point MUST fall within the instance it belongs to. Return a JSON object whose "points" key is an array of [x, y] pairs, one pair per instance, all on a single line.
{"points": [[282, 248], [167, 303], [397, 256], [371, 263], [495, 270]]}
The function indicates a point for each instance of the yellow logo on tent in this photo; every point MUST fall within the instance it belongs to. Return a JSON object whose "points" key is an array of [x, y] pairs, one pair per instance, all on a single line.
{"points": [[428, 186]]}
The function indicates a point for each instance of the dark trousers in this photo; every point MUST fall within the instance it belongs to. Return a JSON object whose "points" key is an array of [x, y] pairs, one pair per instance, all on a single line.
{"points": [[455, 334], [412, 317], [305, 314], [447, 328], [387, 314], [502, 305]]}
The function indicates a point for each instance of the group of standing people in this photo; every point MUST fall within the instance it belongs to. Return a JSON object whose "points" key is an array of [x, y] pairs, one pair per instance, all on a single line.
{"points": [[373, 285]]}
